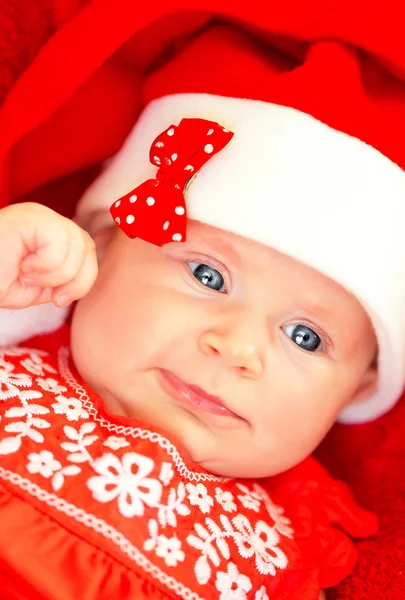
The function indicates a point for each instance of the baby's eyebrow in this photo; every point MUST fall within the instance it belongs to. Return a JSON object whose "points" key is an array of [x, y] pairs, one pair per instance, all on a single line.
{"points": [[318, 310], [226, 249]]}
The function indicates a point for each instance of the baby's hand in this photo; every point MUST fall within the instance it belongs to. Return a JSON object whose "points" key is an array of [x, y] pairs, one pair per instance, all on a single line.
{"points": [[44, 257]]}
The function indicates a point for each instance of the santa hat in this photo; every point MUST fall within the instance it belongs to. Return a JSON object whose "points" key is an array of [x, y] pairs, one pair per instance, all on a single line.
{"points": [[315, 168]]}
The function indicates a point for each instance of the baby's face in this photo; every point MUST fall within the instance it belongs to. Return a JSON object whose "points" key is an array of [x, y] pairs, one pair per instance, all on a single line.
{"points": [[243, 354]]}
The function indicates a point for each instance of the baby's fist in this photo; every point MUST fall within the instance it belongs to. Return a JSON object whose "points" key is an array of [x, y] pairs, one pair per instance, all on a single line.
{"points": [[44, 257]]}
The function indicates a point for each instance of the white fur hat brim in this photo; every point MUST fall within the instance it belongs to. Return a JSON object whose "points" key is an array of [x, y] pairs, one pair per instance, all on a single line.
{"points": [[293, 183]]}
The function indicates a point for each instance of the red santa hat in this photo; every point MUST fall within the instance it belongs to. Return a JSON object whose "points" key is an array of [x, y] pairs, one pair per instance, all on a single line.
{"points": [[315, 168]]}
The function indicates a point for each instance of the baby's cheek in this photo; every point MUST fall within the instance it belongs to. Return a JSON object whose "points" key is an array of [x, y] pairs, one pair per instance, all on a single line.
{"points": [[296, 412]]}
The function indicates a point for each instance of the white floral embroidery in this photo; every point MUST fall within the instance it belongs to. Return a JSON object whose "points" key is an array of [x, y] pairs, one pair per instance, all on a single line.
{"points": [[4, 364], [198, 496], [58, 479], [166, 473], [79, 449], [10, 382], [282, 523], [50, 385], [261, 594], [27, 427], [251, 499], [225, 499], [232, 584], [43, 463], [167, 513], [116, 479], [167, 548], [153, 528], [262, 542], [115, 443], [170, 550], [35, 365], [71, 407], [74, 434]]}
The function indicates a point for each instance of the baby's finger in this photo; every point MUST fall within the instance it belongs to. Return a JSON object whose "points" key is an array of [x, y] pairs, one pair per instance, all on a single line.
{"points": [[57, 263], [21, 297], [82, 282]]}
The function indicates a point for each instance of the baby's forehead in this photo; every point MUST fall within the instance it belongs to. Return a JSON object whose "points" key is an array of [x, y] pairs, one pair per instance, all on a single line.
{"points": [[216, 237], [253, 256], [243, 251]]}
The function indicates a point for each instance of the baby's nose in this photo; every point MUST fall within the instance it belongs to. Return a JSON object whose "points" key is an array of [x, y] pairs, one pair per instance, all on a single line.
{"points": [[237, 352]]}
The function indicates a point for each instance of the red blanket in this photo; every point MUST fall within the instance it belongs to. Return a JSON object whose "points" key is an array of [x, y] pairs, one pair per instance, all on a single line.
{"points": [[370, 457]]}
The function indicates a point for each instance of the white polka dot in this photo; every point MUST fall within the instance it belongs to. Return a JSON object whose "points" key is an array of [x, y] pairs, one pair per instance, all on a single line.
{"points": [[174, 157], [118, 220], [170, 132], [189, 168], [225, 130], [157, 160], [179, 210], [159, 144], [208, 148], [177, 237], [150, 201], [130, 219], [166, 225], [210, 132], [133, 198], [117, 203]]}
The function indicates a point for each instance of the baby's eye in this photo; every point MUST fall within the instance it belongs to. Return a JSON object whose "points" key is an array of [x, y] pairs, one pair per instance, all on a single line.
{"points": [[304, 337], [208, 276]]}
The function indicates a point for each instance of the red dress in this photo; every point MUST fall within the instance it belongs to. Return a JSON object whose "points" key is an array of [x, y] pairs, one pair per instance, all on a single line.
{"points": [[95, 506]]}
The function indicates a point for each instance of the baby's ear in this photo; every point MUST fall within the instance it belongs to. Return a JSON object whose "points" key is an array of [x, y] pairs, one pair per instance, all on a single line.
{"points": [[367, 385]]}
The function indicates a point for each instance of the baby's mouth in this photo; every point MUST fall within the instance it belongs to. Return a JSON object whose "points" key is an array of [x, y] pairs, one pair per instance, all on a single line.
{"points": [[194, 396]]}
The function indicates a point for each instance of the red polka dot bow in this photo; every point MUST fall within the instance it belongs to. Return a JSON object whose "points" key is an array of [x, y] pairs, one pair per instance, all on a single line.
{"points": [[156, 210]]}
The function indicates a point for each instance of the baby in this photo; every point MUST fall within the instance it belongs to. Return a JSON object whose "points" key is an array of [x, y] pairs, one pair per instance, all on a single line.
{"points": [[233, 307], [244, 354]]}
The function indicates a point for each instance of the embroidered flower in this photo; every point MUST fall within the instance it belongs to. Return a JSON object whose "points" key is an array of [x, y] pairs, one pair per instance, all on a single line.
{"points": [[43, 463], [115, 443], [10, 382], [116, 479], [282, 523], [170, 550], [167, 513], [35, 365], [262, 542], [261, 594], [198, 496], [71, 407], [166, 473], [232, 584], [225, 499], [50, 385], [251, 499]]}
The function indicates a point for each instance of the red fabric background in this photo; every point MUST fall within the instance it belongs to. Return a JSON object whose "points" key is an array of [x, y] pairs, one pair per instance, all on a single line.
{"points": [[370, 457]]}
